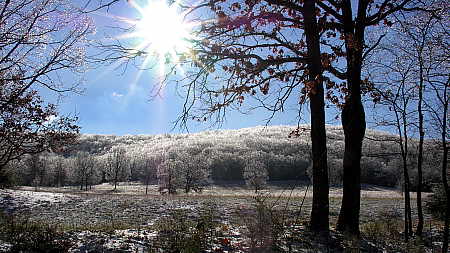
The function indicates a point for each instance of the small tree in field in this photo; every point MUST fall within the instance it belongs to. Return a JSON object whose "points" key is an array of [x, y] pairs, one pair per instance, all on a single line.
{"points": [[84, 167], [35, 170], [167, 178], [116, 163], [167, 171], [193, 170], [149, 170], [59, 171], [255, 173]]}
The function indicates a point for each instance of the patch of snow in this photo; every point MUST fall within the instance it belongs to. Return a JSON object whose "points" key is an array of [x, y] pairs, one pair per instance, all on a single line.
{"points": [[13, 200]]}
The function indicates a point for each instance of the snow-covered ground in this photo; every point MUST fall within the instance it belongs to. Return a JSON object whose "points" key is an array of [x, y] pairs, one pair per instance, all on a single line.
{"points": [[13, 201]]}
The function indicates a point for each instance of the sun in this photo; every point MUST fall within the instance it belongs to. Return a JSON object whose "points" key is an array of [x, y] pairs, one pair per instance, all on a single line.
{"points": [[162, 30]]}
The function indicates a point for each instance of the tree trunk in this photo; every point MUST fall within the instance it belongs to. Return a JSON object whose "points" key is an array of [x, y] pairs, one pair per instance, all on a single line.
{"points": [[445, 172], [403, 143], [407, 183], [407, 200], [146, 184], [320, 206], [353, 119], [354, 124], [420, 155], [115, 179], [447, 193], [103, 176]]}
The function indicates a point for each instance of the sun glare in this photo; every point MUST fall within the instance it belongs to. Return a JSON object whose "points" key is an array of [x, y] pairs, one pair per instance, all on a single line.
{"points": [[162, 29]]}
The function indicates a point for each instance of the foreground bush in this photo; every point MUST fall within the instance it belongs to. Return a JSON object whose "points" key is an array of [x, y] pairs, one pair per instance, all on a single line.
{"points": [[179, 233], [437, 202], [26, 236]]}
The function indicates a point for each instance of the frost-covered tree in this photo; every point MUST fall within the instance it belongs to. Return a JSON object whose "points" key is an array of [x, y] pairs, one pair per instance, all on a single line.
{"points": [[58, 166], [36, 170], [404, 70], [84, 169], [168, 180], [255, 172], [192, 170], [116, 165], [39, 40], [150, 164]]}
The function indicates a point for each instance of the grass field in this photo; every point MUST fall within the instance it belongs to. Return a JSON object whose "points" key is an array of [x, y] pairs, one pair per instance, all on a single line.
{"points": [[238, 220]]}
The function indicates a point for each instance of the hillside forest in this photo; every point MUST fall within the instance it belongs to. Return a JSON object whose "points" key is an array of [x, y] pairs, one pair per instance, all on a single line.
{"points": [[255, 155]]}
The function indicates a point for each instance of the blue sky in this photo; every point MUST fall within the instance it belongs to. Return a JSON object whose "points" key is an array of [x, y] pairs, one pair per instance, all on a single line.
{"points": [[110, 106]]}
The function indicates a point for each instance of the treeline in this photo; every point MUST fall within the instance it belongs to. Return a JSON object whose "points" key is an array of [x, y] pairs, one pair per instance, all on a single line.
{"points": [[256, 155]]}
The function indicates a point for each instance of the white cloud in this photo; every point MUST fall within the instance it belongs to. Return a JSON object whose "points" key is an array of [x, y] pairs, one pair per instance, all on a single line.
{"points": [[116, 95]]}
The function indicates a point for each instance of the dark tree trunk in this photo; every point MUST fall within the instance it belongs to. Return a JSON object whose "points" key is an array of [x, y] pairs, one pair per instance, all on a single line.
{"points": [[103, 176], [147, 178], [403, 144], [115, 179], [320, 206], [407, 183], [445, 173], [354, 124], [353, 119], [420, 155], [447, 193]]}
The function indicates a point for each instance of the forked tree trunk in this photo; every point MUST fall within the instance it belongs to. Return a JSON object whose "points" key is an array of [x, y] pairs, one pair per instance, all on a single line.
{"points": [[320, 206]]}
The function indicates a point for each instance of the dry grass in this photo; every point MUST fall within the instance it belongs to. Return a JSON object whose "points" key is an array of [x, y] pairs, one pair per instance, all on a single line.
{"points": [[284, 190]]}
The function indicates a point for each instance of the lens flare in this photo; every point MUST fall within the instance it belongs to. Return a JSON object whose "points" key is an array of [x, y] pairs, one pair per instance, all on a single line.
{"points": [[162, 29]]}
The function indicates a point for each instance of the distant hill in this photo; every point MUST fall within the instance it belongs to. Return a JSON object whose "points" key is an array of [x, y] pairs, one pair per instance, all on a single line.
{"points": [[288, 158]]}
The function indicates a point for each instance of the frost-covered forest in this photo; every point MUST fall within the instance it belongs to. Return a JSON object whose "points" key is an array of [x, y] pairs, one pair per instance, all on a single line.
{"points": [[216, 156]]}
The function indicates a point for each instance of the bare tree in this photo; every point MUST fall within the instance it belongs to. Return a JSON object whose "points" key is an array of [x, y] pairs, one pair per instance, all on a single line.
{"points": [[149, 171], [36, 170], [438, 106], [39, 40], [193, 170], [255, 172], [28, 126], [58, 170], [408, 61], [396, 92], [168, 180], [85, 169], [116, 163]]}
